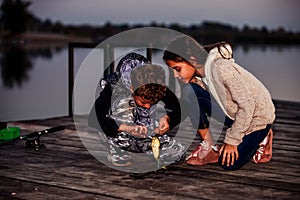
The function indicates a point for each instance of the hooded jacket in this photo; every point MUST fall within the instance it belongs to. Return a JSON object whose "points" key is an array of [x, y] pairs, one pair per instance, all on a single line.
{"points": [[114, 105]]}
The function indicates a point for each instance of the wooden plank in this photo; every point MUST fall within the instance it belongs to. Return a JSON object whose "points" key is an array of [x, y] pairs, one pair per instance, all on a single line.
{"points": [[20, 189], [81, 158]]}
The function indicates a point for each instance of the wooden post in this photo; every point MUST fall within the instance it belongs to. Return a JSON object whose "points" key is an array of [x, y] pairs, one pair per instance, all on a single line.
{"points": [[149, 52], [71, 78]]}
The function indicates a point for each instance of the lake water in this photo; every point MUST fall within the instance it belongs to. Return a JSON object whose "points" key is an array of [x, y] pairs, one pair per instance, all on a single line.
{"points": [[38, 85]]}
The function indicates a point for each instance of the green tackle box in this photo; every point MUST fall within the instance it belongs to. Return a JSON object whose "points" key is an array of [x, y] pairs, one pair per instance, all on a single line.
{"points": [[9, 133]]}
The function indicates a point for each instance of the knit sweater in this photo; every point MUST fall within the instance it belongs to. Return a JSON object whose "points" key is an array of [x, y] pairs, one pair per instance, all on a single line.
{"points": [[242, 97]]}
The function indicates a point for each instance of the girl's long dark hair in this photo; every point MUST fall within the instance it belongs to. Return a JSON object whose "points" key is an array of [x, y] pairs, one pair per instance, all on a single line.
{"points": [[186, 49]]}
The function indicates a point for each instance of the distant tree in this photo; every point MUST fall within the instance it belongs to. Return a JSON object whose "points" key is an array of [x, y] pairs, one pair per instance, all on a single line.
{"points": [[58, 27], [177, 27], [264, 30], [246, 28], [14, 16], [47, 24]]}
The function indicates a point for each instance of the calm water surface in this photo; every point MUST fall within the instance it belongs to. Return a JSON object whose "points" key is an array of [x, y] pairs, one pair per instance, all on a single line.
{"points": [[40, 88]]}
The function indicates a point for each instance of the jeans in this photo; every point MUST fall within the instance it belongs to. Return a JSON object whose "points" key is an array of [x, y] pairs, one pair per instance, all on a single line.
{"points": [[199, 105], [247, 149]]}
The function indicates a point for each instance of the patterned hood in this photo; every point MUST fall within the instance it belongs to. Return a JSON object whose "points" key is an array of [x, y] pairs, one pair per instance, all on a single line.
{"points": [[127, 64]]}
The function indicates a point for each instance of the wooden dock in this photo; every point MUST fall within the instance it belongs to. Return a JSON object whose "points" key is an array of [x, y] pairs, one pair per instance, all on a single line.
{"points": [[65, 169]]}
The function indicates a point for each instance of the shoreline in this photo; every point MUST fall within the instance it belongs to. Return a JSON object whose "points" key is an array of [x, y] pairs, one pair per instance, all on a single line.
{"points": [[41, 40]]}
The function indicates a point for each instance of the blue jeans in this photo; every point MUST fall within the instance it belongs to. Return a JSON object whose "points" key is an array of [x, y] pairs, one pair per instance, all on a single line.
{"points": [[247, 149], [198, 105]]}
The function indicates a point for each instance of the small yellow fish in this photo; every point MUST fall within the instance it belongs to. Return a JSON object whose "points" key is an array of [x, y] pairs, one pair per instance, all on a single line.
{"points": [[155, 144]]}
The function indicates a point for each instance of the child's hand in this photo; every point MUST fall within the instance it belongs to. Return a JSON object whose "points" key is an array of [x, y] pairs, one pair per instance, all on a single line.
{"points": [[230, 154], [139, 131], [163, 126]]}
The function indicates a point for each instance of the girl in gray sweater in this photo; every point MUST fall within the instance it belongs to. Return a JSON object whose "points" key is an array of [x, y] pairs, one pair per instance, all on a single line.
{"points": [[246, 103]]}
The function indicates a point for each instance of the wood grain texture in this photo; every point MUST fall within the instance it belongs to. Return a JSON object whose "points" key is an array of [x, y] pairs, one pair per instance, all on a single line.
{"points": [[67, 170]]}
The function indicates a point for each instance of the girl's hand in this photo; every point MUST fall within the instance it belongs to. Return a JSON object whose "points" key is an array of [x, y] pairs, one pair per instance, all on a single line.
{"points": [[230, 154], [135, 130]]}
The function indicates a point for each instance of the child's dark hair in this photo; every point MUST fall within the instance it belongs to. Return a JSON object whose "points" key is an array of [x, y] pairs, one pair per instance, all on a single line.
{"points": [[148, 81], [185, 49]]}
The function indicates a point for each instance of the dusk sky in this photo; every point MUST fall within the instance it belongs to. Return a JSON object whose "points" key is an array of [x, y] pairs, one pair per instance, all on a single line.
{"points": [[255, 13]]}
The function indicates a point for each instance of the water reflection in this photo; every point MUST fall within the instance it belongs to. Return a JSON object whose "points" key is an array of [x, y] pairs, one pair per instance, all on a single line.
{"points": [[15, 66], [246, 48], [35, 80], [16, 63]]}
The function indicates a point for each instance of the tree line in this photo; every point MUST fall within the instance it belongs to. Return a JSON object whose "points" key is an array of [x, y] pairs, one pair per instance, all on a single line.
{"points": [[16, 19]]}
